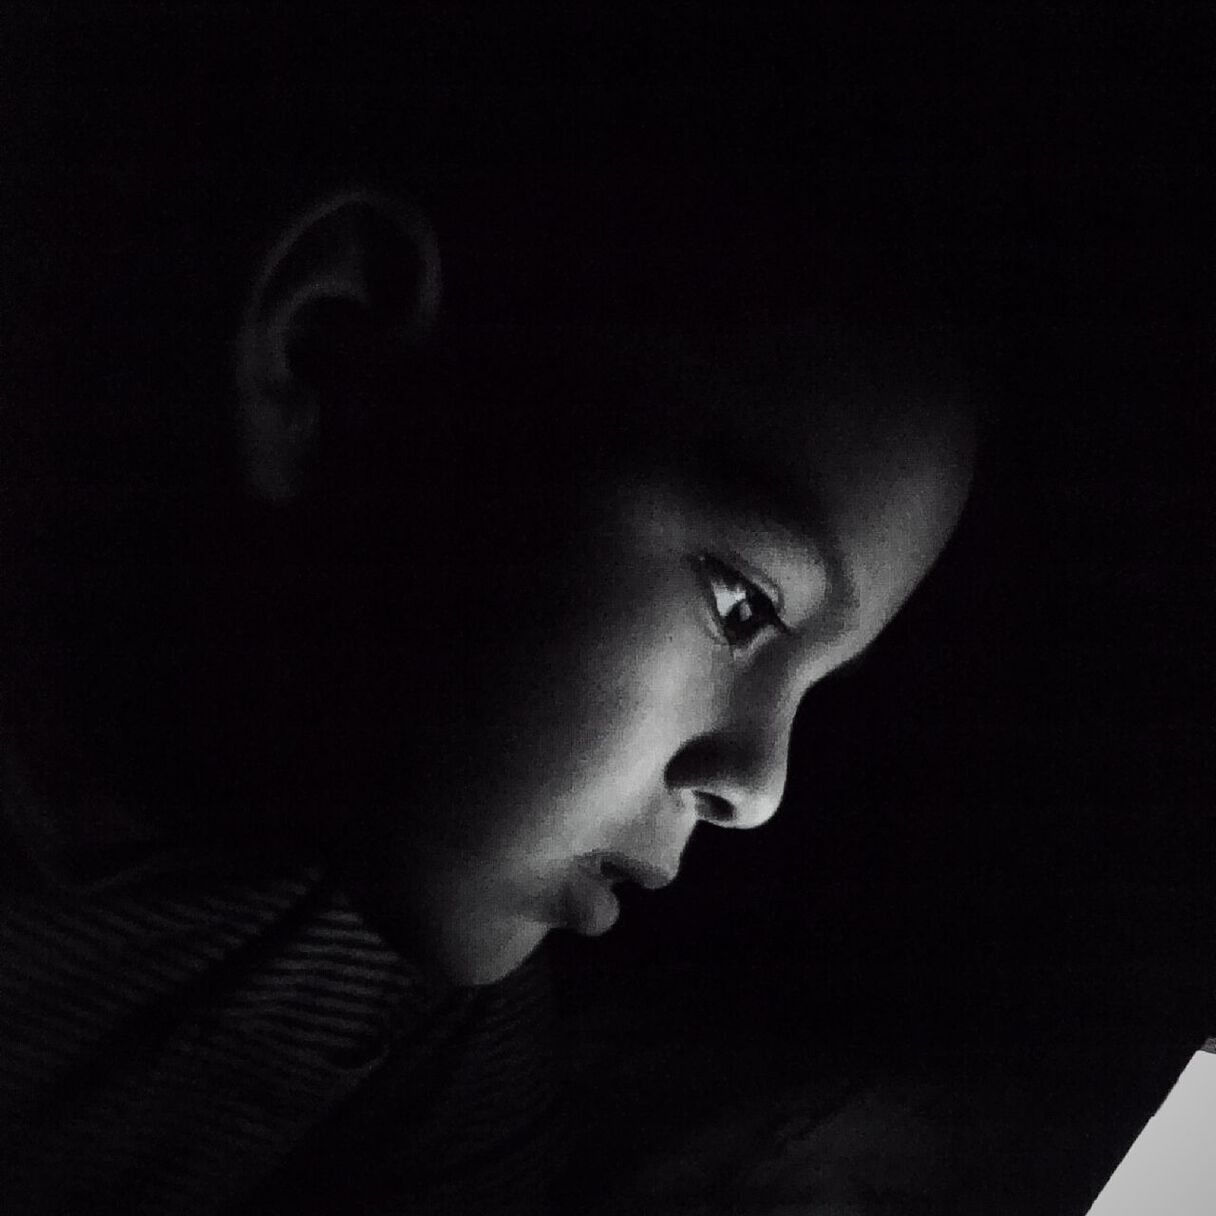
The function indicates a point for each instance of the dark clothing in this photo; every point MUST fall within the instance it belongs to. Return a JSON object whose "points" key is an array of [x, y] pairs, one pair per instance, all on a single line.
{"points": [[191, 1035]]}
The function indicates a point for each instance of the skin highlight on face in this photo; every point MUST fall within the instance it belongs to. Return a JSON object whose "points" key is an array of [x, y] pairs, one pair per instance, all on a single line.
{"points": [[762, 534]]}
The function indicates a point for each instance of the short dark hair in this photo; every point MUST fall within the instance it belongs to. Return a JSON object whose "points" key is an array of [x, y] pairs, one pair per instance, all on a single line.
{"points": [[161, 148]]}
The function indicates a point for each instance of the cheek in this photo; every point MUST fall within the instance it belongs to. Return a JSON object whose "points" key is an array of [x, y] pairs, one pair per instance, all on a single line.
{"points": [[641, 660], [599, 713]]}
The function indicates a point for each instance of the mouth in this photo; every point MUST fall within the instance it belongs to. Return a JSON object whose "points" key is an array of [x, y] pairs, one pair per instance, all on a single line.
{"points": [[618, 867], [589, 906]]}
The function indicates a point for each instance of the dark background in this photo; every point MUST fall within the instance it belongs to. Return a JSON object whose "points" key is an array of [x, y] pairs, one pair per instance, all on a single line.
{"points": [[997, 828]]}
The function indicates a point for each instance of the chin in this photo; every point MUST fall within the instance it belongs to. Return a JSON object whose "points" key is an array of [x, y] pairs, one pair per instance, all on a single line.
{"points": [[475, 955], [458, 938]]}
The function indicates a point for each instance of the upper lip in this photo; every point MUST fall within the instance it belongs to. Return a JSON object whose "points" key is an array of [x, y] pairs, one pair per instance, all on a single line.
{"points": [[615, 867]]}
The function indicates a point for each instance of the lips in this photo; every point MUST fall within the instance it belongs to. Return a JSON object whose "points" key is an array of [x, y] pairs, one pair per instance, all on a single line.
{"points": [[589, 907], [588, 904], [618, 867]]}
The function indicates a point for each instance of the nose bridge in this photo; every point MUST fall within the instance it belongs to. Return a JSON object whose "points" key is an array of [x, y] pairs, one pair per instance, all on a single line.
{"points": [[761, 758], [736, 771]]}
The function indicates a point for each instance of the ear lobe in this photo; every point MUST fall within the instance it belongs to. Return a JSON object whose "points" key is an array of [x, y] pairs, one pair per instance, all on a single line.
{"points": [[358, 273]]}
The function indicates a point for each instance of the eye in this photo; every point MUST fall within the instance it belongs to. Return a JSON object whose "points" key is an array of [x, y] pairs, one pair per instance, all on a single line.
{"points": [[742, 609]]}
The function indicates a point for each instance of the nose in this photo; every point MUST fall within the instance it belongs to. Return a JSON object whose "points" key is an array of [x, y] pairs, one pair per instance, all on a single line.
{"points": [[734, 778]]}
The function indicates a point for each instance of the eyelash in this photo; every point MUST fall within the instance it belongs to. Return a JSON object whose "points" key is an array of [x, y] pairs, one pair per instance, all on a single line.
{"points": [[720, 581]]}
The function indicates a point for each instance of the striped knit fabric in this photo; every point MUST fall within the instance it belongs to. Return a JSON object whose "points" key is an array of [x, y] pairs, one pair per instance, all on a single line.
{"points": [[206, 1042]]}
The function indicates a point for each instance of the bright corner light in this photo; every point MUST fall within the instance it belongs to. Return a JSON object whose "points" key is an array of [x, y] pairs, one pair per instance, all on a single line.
{"points": [[1171, 1166]]}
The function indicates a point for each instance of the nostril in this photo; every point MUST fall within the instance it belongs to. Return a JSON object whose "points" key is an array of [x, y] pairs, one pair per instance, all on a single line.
{"points": [[613, 873], [714, 808]]}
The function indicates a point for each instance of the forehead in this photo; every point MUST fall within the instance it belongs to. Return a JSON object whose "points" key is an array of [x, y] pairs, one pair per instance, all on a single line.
{"points": [[795, 418], [852, 440], [858, 439]]}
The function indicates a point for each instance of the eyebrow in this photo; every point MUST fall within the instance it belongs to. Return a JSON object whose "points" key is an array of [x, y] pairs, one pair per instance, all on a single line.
{"points": [[742, 482]]}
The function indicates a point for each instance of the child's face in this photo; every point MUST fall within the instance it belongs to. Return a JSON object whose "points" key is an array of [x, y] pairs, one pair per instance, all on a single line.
{"points": [[703, 600]]}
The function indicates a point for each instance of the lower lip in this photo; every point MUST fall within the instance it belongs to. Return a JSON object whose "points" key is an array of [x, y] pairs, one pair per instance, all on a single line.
{"points": [[588, 906]]}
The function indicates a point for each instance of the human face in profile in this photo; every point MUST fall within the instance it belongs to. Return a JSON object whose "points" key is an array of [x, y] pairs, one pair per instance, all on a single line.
{"points": [[708, 585]]}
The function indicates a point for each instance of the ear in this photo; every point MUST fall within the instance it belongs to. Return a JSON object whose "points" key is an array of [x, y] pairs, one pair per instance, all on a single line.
{"points": [[355, 277]]}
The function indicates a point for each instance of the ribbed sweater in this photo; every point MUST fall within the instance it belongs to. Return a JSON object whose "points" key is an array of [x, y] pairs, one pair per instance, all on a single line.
{"points": [[194, 1035]]}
